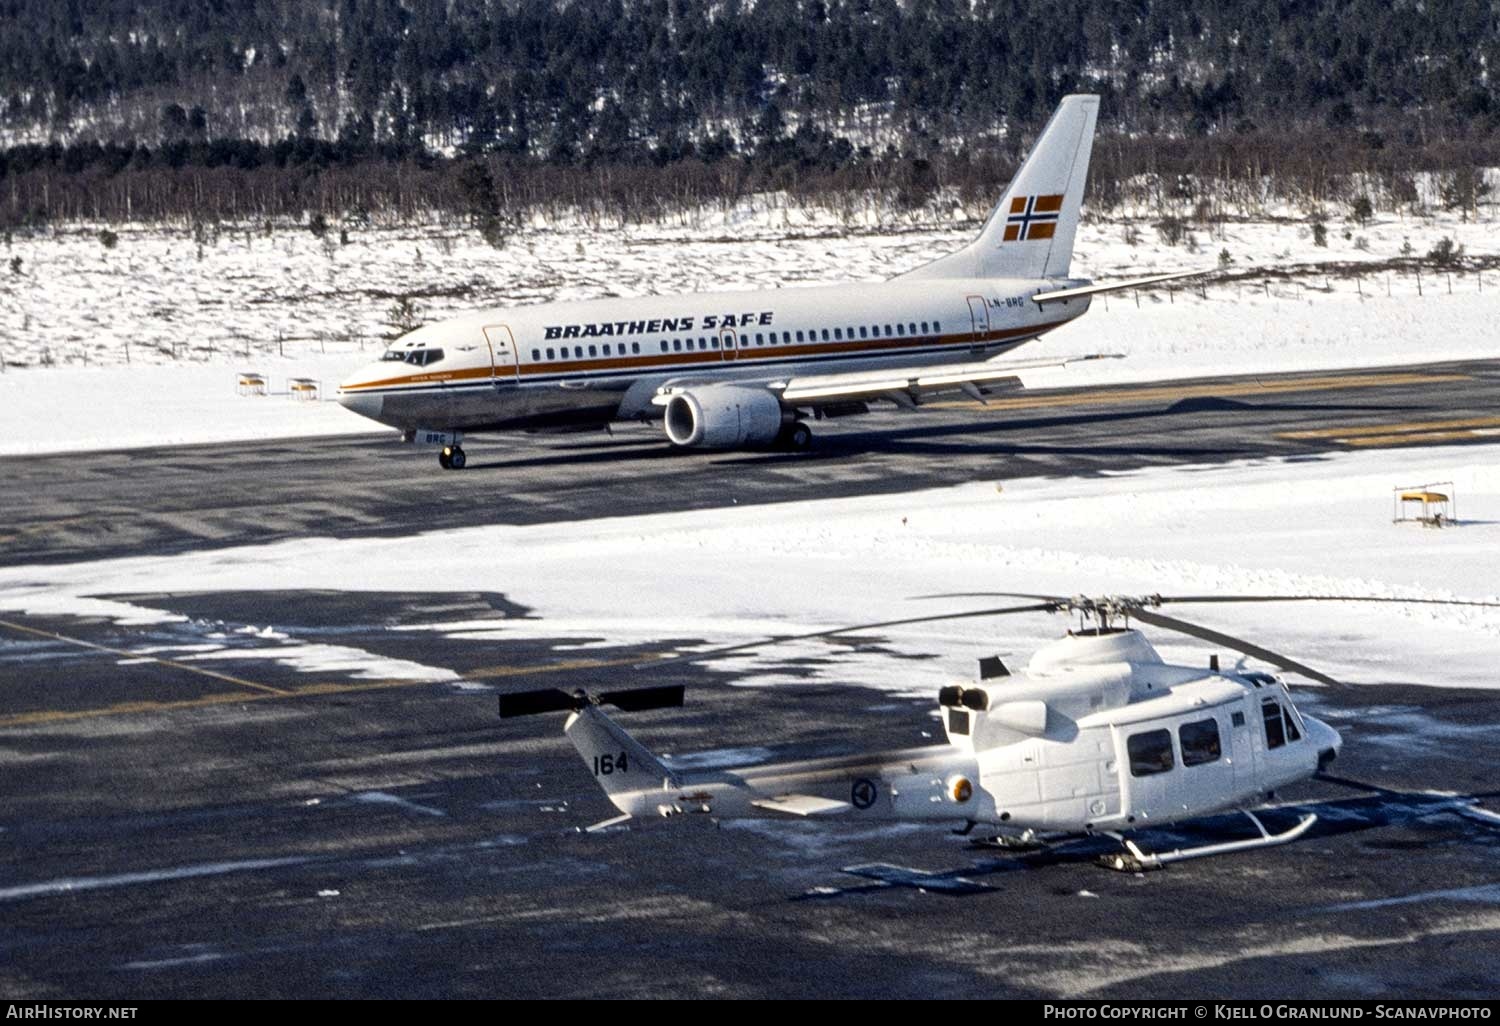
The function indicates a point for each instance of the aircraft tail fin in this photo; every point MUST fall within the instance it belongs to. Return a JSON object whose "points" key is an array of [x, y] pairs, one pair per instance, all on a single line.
{"points": [[1030, 232], [628, 772]]}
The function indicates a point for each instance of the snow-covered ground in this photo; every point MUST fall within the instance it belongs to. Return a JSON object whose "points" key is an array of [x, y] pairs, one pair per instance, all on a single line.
{"points": [[1318, 527], [140, 344]]}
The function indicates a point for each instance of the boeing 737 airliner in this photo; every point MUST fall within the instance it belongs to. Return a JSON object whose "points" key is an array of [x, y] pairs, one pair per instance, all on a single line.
{"points": [[730, 369]]}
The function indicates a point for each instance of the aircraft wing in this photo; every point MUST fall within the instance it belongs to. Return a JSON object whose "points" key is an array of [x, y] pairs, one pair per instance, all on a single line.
{"points": [[802, 805], [906, 387]]}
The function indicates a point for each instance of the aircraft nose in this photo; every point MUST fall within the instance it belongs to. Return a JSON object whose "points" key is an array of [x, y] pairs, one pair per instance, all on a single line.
{"points": [[1325, 739], [362, 403]]}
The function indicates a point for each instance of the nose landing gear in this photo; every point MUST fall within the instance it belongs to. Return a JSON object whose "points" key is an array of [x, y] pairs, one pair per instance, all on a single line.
{"points": [[452, 457]]}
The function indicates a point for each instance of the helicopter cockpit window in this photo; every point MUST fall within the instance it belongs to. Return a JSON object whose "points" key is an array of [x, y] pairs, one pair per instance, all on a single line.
{"points": [[1200, 742], [958, 721], [393, 356], [1150, 753], [1275, 729]]}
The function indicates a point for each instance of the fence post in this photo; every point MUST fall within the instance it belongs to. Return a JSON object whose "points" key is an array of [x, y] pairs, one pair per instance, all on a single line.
{"points": [[1419, 281], [1449, 276], [1359, 287]]}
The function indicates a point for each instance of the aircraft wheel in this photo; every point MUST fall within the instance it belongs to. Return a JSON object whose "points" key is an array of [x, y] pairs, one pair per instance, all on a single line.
{"points": [[457, 459], [798, 437], [444, 460]]}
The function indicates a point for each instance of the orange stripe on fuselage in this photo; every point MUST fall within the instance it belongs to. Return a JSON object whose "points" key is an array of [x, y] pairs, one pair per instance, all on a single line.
{"points": [[655, 361]]}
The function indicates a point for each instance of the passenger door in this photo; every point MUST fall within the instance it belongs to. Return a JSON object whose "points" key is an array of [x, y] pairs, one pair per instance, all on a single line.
{"points": [[979, 315], [505, 358]]}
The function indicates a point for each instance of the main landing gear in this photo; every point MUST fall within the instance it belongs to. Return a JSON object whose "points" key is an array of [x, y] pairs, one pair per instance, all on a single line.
{"points": [[452, 457], [796, 436]]}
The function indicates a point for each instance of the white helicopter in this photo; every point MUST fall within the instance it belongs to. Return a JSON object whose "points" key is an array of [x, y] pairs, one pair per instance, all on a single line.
{"points": [[1097, 736]]}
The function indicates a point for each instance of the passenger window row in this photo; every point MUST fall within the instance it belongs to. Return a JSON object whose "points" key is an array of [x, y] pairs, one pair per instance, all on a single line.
{"points": [[711, 343], [1151, 751]]}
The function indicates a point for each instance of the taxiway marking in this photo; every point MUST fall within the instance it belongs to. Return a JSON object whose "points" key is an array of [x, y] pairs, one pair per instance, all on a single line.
{"points": [[1158, 393], [1413, 433], [127, 654], [46, 716]]}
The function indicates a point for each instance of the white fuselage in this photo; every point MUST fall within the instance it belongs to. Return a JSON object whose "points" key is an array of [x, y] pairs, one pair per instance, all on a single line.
{"points": [[1098, 734], [579, 364]]}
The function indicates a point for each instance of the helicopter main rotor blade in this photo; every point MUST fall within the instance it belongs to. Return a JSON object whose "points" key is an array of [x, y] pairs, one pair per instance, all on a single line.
{"points": [[781, 639], [1204, 599], [1249, 648], [993, 594]]}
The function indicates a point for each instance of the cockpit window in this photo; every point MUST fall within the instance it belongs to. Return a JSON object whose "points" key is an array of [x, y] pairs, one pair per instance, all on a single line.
{"points": [[415, 357], [1280, 728]]}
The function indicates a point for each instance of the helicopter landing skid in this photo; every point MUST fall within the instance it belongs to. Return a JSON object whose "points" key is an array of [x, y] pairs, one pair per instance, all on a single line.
{"points": [[1134, 860], [1025, 842]]}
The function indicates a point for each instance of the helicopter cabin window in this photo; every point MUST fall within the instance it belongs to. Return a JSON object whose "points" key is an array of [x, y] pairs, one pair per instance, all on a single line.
{"points": [[1150, 753], [1237, 719], [958, 721], [1275, 727], [1200, 742]]}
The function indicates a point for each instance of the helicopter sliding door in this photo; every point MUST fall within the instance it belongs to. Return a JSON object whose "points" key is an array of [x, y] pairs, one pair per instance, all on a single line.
{"points": [[1147, 772], [1208, 767]]}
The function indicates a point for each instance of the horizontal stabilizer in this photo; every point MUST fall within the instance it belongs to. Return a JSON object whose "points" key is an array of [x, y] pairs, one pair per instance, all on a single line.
{"points": [[546, 700], [802, 805], [1059, 295]]}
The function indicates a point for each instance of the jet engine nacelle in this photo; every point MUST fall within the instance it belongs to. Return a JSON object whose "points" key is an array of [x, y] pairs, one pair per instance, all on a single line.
{"points": [[723, 417]]}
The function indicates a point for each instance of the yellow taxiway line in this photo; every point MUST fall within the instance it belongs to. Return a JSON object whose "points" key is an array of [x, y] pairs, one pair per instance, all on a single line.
{"points": [[1412, 433], [1173, 393], [264, 692], [127, 654]]}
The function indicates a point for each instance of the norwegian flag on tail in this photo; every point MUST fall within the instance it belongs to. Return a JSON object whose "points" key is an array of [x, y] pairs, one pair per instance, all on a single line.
{"points": [[1032, 217]]}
